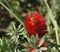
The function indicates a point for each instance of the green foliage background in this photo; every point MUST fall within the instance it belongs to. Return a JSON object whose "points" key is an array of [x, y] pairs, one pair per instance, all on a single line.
{"points": [[17, 10]]}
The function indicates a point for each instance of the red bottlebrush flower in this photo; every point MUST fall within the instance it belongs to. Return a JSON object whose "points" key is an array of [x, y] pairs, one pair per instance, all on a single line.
{"points": [[35, 23], [30, 48], [38, 41], [43, 44]]}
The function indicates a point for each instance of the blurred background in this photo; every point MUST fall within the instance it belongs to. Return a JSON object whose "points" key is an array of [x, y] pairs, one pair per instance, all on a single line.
{"points": [[23, 7]]}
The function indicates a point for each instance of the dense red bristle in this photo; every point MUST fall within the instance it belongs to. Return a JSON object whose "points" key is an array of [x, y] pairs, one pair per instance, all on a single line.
{"points": [[35, 23]]}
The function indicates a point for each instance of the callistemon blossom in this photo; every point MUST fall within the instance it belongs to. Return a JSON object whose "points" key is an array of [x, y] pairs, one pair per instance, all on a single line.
{"points": [[35, 24]]}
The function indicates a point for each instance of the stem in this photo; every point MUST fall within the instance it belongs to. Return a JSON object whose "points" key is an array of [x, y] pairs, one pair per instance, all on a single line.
{"points": [[53, 21], [11, 13], [4, 30]]}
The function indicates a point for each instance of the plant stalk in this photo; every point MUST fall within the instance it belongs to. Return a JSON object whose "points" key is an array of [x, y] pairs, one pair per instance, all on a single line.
{"points": [[12, 13], [52, 18]]}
